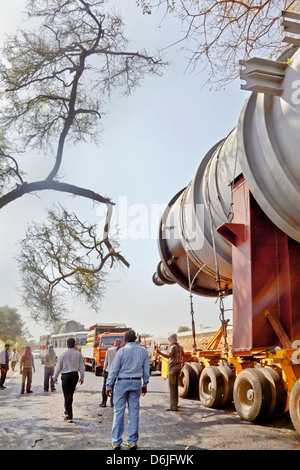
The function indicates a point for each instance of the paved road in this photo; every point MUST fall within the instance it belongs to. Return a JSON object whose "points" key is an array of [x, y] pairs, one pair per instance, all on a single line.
{"points": [[35, 421]]}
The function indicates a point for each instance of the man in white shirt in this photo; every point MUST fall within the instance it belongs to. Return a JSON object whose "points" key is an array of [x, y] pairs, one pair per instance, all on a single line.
{"points": [[109, 357], [4, 360], [14, 359], [69, 364]]}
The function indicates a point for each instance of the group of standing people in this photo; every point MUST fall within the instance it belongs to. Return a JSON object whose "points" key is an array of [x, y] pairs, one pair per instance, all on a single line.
{"points": [[68, 365], [126, 376]]}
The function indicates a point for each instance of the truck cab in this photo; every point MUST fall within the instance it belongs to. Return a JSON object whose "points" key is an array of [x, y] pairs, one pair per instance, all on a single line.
{"points": [[103, 342], [100, 338]]}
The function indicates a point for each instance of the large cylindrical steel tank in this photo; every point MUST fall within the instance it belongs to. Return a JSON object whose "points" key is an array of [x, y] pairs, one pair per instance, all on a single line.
{"points": [[265, 148]]}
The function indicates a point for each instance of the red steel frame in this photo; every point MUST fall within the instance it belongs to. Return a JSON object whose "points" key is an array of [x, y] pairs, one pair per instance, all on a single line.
{"points": [[265, 277]]}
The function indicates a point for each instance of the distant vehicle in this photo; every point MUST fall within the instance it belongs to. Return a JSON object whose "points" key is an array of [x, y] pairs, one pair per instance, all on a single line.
{"points": [[59, 341], [156, 361], [36, 354], [100, 338]]}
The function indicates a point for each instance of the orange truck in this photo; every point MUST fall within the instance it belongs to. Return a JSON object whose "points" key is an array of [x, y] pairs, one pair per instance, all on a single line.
{"points": [[100, 338]]}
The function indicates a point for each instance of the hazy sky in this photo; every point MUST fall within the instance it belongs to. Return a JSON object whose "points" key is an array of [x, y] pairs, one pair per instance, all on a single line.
{"points": [[151, 145]]}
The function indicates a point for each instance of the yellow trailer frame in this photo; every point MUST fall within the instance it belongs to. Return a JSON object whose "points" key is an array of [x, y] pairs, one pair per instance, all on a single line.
{"points": [[286, 362]]}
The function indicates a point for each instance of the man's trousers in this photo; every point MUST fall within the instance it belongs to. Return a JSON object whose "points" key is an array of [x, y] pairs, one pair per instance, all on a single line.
{"points": [[4, 369], [126, 391], [104, 396], [26, 376], [69, 382], [48, 377], [173, 377]]}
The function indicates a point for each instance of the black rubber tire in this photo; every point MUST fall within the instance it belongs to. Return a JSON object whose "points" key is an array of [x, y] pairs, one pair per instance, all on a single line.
{"points": [[252, 395], [278, 393], [187, 381], [211, 387], [294, 406], [228, 378], [198, 368]]}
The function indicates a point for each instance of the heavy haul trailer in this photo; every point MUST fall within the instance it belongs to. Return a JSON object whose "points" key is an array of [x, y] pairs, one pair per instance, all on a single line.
{"points": [[235, 229]]}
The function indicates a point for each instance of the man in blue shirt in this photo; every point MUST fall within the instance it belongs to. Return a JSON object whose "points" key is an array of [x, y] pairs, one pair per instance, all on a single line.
{"points": [[130, 371]]}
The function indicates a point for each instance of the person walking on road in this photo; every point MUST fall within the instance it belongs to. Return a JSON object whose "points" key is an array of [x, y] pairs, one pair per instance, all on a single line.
{"points": [[26, 367], [175, 363], [14, 359], [109, 357], [69, 364], [4, 360], [130, 371], [50, 360]]}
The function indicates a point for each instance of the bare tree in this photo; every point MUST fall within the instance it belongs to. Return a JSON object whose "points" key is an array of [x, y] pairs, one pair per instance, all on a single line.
{"points": [[55, 80], [218, 33], [64, 253]]}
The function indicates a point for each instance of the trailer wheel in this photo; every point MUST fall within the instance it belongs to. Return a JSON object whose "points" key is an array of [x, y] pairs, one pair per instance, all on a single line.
{"points": [[187, 381], [198, 368], [294, 406], [252, 395], [228, 383], [278, 393], [211, 387]]}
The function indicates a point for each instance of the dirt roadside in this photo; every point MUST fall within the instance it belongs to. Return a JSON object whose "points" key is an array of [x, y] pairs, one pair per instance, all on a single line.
{"points": [[202, 340]]}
